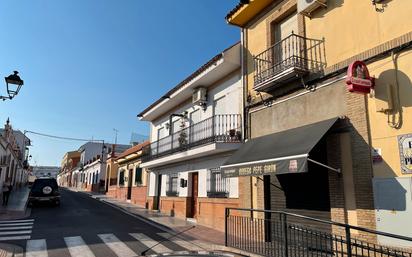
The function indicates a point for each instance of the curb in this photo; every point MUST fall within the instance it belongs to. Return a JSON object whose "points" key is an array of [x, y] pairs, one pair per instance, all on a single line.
{"points": [[204, 245]]}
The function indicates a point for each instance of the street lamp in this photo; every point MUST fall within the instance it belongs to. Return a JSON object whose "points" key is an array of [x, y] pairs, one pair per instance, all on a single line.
{"points": [[13, 83]]}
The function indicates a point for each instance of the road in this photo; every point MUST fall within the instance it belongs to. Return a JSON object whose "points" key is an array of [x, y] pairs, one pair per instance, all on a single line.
{"points": [[85, 227]]}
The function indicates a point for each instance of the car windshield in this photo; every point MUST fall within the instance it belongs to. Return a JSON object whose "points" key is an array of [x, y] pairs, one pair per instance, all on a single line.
{"points": [[40, 183]]}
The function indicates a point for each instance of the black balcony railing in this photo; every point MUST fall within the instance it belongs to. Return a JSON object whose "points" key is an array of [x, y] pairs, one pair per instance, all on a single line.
{"points": [[278, 233], [294, 55], [224, 128]]}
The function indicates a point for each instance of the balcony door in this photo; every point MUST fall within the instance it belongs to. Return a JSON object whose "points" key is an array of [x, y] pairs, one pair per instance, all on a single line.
{"points": [[195, 127], [161, 144], [285, 50], [176, 131]]}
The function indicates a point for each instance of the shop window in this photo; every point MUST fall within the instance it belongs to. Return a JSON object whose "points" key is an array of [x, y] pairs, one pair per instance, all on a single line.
{"points": [[121, 178], [171, 185], [217, 187], [138, 176]]}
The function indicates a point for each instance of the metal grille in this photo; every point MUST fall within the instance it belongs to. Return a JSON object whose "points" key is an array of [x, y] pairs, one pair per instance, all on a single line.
{"points": [[171, 185], [224, 128], [277, 233], [294, 51], [216, 185]]}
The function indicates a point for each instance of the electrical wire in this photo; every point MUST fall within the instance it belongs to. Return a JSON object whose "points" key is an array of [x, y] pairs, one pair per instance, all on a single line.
{"points": [[62, 138]]}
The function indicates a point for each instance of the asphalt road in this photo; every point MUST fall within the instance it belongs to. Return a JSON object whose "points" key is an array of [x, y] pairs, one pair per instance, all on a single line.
{"points": [[83, 226]]}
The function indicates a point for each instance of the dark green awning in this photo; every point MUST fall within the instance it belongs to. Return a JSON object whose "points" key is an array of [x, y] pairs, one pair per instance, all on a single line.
{"points": [[278, 153]]}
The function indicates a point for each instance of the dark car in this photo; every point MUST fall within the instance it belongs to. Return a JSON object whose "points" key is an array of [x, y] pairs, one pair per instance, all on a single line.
{"points": [[44, 190]]}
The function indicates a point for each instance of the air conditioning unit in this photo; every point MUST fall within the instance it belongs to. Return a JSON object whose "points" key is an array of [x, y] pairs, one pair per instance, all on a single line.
{"points": [[306, 7], [199, 96]]}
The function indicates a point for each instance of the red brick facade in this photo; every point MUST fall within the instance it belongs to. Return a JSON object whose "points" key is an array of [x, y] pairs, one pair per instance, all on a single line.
{"points": [[138, 194]]}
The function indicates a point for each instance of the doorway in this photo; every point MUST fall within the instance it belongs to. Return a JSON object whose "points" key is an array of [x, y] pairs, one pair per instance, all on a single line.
{"points": [[156, 203], [195, 190], [129, 185]]}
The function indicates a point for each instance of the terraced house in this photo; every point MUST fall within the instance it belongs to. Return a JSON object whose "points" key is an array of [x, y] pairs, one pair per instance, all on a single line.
{"points": [[327, 104], [194, 127], [128, 181]]}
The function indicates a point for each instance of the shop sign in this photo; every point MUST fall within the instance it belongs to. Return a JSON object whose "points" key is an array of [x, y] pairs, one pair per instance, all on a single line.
{"points": [[358, 79], [405, 151], [279, 167], [377, 155]]}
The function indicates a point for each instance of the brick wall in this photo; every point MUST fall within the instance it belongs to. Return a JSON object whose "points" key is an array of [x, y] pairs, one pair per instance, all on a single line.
{"points": [[211, 211], [358, 127], [362, 161], [175, 206], [139, 196]]}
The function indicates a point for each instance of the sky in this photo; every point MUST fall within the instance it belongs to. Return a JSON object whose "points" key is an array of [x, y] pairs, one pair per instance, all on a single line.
{"points": [[90, 66]]}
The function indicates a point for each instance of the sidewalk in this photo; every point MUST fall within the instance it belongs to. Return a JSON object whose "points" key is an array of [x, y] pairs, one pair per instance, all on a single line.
{"points": [[206, 238], [17, 206]]}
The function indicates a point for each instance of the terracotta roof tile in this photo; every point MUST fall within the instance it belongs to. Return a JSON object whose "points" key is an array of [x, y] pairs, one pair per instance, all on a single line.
{"points": [[133, 149], [234, 10]]}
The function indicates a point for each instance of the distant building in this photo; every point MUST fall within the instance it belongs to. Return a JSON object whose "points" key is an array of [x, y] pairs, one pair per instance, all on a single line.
{"points": [[92, 172], [45, 171]]}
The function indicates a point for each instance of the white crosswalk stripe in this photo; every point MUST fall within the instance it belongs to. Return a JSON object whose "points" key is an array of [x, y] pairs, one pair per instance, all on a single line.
{"points": [[150, 243], [181, 242], [77, 247], [16, 229], [36, 248], [117, 246]]}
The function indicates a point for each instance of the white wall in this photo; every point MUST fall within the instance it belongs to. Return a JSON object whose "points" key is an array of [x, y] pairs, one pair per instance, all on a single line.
{"points": [[152, 184], [184, 171], [231, 89], [93, 168]]}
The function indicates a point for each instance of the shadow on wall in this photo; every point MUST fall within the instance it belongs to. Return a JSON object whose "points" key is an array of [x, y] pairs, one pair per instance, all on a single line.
{"points": [[389, 194], [320, 13], [394, 88]]}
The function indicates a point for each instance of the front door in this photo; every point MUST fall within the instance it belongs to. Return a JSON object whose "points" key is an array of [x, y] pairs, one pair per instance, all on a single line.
{"points": [[159, 191], [129, 185], [195, 177]]}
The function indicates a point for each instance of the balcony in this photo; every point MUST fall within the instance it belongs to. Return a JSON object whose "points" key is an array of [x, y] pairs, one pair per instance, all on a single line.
{"points": [[293, 57], [225, 128]]}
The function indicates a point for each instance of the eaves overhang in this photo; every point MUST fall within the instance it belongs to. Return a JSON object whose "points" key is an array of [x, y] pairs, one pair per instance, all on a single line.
{"points": [[245, 12], [215, 69]]}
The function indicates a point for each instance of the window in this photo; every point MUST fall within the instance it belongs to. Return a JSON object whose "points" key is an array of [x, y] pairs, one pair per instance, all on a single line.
{"points": [[171, 185], [138, 176], [217, 187], [121, 178]]}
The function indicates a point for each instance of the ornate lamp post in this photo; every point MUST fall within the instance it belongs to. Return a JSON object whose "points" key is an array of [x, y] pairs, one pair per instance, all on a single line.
{"points": [[14, 84]]}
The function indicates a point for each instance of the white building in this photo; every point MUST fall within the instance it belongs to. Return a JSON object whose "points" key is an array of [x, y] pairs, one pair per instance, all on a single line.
{"points": [[13, 164], [194, 128], [92, 171], [45, 171]]}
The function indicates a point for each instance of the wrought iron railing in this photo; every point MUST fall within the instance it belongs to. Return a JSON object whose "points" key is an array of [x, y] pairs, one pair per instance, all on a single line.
{"points": [[224, 128], [298, 52], [278, 233], [217, 186]]}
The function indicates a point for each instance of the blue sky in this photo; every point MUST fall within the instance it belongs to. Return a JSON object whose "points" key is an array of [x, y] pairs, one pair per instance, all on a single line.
{"points": [[92, 65]]}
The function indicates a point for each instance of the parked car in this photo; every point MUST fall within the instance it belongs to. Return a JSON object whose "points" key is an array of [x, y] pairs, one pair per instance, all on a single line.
{"points": [[44, 190]]}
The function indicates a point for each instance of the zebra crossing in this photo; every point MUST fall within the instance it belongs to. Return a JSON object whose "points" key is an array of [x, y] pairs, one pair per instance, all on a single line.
{"points": [[77, 247], [16, 229]]}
